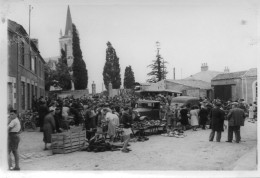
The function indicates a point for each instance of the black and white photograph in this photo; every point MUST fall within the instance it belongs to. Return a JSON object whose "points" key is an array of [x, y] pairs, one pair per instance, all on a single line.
{"points": [[120, 88]]}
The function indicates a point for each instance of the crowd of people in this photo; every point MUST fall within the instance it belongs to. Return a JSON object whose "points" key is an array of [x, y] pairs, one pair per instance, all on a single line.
{"points": [[106, 115]]}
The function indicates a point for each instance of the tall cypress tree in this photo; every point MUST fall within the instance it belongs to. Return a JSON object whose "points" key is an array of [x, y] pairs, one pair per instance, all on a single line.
{"points": [[80, 73], [111, 71], [63, 75], [129, 79]]}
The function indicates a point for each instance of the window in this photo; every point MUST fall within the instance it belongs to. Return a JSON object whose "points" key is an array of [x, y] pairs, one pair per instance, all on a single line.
{"points": [[35, 64], [28, 96], [40, 69], [22, 53], [35, 90], [23, 95], [32, 64]]}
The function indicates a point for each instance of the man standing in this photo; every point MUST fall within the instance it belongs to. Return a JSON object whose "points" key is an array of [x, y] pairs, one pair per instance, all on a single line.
{"points": [[126, 121], [236, 118], [14, 128], [217, 122]]}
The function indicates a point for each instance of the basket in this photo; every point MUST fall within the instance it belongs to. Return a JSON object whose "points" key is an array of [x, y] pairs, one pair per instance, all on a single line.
{"points": [[67, 142]]}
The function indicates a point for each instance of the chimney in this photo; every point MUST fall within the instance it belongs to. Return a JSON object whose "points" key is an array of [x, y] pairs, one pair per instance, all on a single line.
{"points": [[35, 41], [204, 67], [226, 70]]}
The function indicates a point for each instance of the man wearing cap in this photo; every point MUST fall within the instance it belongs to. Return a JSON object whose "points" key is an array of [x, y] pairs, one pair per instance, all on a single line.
{"points": [[236, 118], [217, 122], [14, 128]]}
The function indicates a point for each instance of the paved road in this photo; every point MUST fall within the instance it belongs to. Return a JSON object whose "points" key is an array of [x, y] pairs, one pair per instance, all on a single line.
{"points": [[194, 152]]}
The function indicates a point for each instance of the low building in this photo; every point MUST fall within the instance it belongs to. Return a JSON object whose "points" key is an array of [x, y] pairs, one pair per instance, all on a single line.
{"points": [[236, 85], [25, 68], [196, 88], [205, 74]]}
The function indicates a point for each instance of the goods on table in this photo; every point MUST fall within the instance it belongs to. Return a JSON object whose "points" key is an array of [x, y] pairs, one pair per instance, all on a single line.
{"points": [[175, 133], [145, 124], [67, 142], [100, 145]]}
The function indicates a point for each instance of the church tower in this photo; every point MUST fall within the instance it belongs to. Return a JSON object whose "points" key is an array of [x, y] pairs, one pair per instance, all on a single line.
{"points": [[66, 39]]}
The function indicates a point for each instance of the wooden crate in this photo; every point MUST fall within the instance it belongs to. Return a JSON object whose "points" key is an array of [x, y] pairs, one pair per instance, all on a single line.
{"points": [[67, 142]]}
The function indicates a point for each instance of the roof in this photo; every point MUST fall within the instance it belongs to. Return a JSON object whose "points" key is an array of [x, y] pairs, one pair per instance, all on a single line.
{"points": [[68, 26], [18, 29], [233, 75], [251, 72], [193, 83], [203, 75], [164, 90], [148, 101]]}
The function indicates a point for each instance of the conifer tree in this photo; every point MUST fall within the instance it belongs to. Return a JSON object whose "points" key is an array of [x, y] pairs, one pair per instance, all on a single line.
{"points": [[111, 71], [129, 79], [80, 73], [159, 71]]}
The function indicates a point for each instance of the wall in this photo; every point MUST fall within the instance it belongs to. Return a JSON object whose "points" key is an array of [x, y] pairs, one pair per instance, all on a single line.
{"points": [[74, 93], [248, 88], [176, 86], [35, 78]]}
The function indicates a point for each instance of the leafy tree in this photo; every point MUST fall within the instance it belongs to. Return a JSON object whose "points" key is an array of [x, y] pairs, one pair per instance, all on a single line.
{"points": [[129, 79], [63, 75], [50, 77], [80, 73], [111, 71], [159, 71]]}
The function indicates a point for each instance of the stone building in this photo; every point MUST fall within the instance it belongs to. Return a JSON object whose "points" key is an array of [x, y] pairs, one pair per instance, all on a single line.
{"points": [[66, 39], [236, 85], [25, 68]]}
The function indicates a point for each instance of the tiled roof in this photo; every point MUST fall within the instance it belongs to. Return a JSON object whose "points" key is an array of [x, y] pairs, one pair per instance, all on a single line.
{"points": [[204, 76], [193, 83], [232, 75]]}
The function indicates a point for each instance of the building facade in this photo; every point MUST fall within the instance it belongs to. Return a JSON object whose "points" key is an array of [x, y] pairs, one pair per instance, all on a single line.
{"points": [[25, 68], [236, 85]]}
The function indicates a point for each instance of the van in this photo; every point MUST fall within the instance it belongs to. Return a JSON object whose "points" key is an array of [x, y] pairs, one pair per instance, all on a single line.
{"points": [[184, 101]]}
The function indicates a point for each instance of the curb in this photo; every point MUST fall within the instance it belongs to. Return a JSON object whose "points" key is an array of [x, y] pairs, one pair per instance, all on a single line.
{"points": [[247, 161]]}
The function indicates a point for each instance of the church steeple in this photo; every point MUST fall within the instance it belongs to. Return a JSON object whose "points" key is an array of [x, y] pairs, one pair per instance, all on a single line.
{"points": [[68, 26]]}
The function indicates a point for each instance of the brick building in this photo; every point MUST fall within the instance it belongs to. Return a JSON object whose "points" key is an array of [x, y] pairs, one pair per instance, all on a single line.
{"points": [[25, 68]]}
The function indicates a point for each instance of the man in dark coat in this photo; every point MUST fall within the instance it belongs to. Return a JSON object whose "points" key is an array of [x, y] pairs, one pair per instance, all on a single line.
{"points": [[203, 114], [217, 122], [236, 118], [43, 110]]}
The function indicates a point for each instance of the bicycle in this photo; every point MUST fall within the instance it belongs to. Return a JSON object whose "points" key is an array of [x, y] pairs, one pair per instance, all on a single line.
{"points": [[29, 120]]}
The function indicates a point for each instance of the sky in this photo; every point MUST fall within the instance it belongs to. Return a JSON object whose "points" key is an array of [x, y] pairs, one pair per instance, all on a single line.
{"points": [[217, 32]]}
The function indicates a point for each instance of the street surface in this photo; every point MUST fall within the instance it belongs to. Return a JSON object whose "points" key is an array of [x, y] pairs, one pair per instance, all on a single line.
{"points": [[193, 152]]}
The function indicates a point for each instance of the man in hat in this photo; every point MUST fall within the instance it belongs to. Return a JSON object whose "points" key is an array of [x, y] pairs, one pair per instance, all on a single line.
{"points": [[14, 128], [217, 122], [236, 118]]}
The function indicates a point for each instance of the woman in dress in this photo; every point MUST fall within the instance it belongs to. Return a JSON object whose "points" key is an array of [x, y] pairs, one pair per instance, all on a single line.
{"points": [[194, 117], [48, 128]]}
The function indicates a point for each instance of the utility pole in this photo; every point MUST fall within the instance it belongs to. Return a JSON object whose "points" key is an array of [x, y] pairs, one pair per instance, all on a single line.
{"points": [[174, 73]]}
